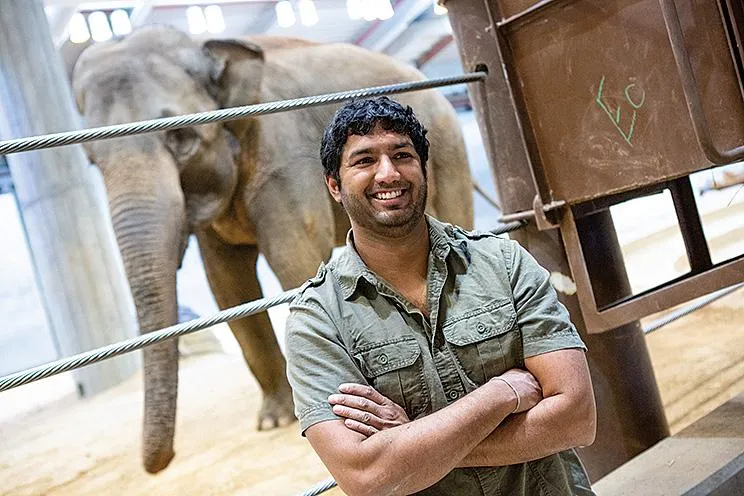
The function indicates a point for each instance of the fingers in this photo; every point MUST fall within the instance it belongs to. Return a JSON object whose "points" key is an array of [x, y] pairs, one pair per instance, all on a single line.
{"points": [[359, 416], [364, 405], [355, 402], [361, 428], [364, 391]]}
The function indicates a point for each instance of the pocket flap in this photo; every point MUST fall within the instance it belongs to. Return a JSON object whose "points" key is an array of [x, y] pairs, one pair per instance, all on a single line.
{"points": [[494, 319], [385, 357]]}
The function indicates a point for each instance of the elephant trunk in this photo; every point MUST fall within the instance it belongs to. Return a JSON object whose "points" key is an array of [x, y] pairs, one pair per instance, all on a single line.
{"points": [[148, 216]]}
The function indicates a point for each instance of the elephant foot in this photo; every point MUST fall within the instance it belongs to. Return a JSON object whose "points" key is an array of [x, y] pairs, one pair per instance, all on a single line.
{"points": [[277, 410], [155, 462]]}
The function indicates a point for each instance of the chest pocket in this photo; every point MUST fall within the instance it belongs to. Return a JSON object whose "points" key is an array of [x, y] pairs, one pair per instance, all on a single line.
{"points": [[486, 340], [395, 369]]}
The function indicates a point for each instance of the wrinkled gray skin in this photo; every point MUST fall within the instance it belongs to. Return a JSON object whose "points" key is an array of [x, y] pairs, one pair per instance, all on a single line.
{"points": [[244, 188]]}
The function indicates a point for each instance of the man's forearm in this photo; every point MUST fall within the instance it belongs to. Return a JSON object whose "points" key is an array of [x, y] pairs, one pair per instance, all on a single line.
{"points": [[413, 456], [553, 425]]}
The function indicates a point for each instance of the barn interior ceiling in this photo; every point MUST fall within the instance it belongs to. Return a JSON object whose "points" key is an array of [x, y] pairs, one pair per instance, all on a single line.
{"points": [[414, 31]]}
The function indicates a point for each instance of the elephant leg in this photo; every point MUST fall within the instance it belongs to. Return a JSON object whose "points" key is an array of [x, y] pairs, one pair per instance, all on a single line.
{"points": [[231, 271]]}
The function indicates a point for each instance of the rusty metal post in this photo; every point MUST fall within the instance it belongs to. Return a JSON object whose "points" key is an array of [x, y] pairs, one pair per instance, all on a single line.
{"points": [[630, 413], [629, 409]]}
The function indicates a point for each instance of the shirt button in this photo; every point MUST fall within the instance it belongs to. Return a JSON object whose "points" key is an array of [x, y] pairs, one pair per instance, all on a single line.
{"points": [[383, 359], [453, 395], [481, 327]]}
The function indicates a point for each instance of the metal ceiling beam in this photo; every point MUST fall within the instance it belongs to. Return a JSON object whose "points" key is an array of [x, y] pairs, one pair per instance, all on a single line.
{"points": [[140, 12], [422, 35], [262, 22], [381, 34], [434, 50]]}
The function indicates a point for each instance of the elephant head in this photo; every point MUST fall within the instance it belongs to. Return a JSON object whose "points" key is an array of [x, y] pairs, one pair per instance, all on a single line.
{"points": [[161, 187]]}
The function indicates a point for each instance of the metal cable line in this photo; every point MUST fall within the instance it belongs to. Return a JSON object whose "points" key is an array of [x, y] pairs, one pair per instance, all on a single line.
{"points": [[132, 344], [109, 351], [222, 115]]}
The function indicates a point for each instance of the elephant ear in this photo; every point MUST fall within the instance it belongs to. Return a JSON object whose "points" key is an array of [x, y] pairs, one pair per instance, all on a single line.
{"points": [[236, 71]]}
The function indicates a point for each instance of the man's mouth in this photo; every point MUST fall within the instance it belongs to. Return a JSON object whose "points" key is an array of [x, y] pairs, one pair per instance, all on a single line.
{"points": [[388, 195]]}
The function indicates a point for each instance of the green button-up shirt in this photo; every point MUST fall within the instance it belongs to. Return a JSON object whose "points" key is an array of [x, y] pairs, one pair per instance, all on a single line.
{"points": [[490, 307]]}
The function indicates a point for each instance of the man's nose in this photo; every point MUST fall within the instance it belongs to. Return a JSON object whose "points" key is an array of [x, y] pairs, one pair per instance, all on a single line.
{"points": [[387, 172]]}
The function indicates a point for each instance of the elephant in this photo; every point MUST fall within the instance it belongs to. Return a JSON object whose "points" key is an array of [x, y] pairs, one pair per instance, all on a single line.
{"points": [[242, 188]]}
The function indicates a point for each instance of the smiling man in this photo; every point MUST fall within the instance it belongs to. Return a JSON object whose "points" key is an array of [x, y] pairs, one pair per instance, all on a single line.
{"points": [[427, 359]]}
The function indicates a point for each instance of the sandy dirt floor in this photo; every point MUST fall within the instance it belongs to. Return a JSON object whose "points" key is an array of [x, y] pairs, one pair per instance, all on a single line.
{"points": [[91, 446]]}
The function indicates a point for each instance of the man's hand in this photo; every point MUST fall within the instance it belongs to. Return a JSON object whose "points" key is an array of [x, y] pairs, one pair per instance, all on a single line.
{"points": [[525, 386], [365, 410]]}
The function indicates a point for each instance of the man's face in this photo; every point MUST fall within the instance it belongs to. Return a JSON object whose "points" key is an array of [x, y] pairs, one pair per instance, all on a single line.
{"points": [[382, 186]]}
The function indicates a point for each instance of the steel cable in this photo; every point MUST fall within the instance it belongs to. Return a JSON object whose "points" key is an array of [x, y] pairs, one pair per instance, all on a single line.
{"points": [[320, 487], [109, 351], [222, 115], [126, 346], [697, 305], [509, 227]]}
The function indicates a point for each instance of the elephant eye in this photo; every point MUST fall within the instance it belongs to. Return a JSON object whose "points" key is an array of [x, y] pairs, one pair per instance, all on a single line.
{"points": [[182, 143]]}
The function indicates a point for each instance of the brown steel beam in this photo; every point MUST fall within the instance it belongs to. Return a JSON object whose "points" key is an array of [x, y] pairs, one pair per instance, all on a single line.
{"points": [[630, 413], [690, 225], [691, 93], [601, 315]]}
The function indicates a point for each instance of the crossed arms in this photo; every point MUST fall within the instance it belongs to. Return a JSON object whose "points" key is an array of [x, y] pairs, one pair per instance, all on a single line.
{"points": [[557, 412]]}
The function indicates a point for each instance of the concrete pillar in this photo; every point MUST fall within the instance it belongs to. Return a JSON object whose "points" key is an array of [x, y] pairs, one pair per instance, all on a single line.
{"points": [[79, 269]]}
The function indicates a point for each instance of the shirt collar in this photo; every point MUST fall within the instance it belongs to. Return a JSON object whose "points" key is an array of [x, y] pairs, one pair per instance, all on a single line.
{"points": [[351, 269]]}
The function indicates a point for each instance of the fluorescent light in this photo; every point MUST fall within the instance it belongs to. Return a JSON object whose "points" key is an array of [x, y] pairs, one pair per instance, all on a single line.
{"points": [[99, 26], [308, 13], [383, 9], [355, 9], [439, 9], [120, 22], [285, 16], [369, 10], [196, 20], [215, 19], [78, 29]]}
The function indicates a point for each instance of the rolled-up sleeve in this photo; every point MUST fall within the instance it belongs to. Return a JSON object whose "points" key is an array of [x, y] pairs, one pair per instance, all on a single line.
{"points": [[317, 362], [543, 320]]}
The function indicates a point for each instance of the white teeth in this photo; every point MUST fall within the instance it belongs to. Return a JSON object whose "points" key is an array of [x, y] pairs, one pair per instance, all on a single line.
{"points": [[388, 195]]}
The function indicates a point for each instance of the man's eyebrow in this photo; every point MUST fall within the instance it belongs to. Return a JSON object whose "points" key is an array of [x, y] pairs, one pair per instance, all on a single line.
{"points": [[369, 150], [361, 151]]}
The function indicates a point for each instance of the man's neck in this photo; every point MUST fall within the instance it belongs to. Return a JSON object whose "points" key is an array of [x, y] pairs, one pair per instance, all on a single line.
{"points": [[401, 261]]}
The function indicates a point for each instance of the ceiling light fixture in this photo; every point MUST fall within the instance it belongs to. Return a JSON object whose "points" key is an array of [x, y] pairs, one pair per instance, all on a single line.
{"points": [[383, 9], [285, 16], [369, 10], [308, 12], [355, 9], [215, 19], [197, 21], [78, 29], [99, 26], [120, 23]]}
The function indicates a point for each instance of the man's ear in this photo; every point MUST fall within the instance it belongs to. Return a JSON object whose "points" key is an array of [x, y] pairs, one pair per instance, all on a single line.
{"points": [[334, 188]]}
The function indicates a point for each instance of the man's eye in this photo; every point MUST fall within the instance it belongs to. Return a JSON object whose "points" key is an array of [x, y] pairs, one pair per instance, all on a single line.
{"points": [[403, 155], [364, 161]]}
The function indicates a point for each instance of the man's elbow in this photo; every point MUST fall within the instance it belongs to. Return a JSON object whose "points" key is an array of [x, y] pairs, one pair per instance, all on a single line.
{"points": [[369, 482], [585, 422]]}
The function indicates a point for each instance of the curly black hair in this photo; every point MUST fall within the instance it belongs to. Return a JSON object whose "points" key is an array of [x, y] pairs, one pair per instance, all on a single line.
{"points": [[360, 117]]}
